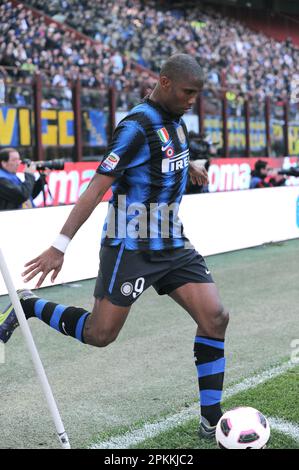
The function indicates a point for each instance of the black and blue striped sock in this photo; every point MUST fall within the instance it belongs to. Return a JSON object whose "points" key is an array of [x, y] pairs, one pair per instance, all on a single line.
{"points": [[69, 321], [210, 364]]}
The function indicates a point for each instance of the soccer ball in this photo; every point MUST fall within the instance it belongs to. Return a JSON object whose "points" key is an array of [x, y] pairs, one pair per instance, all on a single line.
{"points": [[242, 428]]}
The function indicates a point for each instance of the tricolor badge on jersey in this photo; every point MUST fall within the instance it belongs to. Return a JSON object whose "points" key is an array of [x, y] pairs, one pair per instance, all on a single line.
{"points": [[110, 162], [163, 135], [181, 135]]}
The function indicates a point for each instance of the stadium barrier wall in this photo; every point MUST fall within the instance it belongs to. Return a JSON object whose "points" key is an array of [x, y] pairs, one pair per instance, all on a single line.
{"points": [[215, 223]]}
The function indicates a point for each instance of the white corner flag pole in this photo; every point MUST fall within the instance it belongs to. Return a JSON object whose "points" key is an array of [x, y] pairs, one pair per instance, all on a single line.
{"points": [[34, 353]]}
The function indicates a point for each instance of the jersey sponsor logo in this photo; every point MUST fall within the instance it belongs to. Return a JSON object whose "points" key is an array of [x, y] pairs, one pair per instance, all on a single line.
{"points": [[163, 135], [181, 135], [176, 163], [110, 162]]}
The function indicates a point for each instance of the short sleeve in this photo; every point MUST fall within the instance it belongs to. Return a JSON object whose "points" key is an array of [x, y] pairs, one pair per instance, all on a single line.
{"points": [[128, 139]]}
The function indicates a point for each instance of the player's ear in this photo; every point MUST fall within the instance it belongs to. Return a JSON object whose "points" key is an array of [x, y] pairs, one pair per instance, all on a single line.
{"points": [[165, 82]]}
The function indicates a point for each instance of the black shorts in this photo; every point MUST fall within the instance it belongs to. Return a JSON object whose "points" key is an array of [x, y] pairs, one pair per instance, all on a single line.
{"points": [[125, 274]]}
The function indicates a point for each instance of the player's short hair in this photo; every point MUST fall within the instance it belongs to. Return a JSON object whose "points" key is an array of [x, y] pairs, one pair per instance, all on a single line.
{"points": [[4, 154], [182, 66]]}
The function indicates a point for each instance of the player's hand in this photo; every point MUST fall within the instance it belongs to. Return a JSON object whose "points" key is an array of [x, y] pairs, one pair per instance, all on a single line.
{"points": [[198, 173], [50, 260]]}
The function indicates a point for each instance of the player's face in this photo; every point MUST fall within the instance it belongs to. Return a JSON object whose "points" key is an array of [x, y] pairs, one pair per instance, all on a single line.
{"points": [[180, 95], [13, 162]]}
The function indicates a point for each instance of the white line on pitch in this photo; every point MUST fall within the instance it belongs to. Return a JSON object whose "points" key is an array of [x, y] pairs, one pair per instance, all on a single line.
{"points": [[281, 425], [150, 430]]}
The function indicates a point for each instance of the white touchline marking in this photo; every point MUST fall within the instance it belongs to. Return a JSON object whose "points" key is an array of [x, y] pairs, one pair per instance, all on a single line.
{"points": [[286, 427], [136, 436], [255, 380]]}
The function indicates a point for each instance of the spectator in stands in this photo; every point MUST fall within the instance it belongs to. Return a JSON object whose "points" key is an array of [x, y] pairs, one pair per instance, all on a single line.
{"points": [[14, 193], [127, 30], [2, 89]]}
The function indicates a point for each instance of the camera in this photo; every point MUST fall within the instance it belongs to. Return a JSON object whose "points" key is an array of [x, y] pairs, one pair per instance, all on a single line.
{"points": [[203, 148], [293, 171], [57, 164]]}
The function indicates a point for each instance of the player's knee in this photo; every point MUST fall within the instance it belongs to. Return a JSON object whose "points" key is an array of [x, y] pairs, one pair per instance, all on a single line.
{"points": [[218, 322], [224, 318]]}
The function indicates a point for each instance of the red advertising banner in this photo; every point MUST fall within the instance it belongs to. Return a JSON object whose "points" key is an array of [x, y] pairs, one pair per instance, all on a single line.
{"points": [[65, 186], [235, 173]]}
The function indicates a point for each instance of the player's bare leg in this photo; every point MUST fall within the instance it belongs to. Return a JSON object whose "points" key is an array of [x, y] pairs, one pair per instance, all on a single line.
{"points": [[202, 302], [104, 323], [98, 328]]}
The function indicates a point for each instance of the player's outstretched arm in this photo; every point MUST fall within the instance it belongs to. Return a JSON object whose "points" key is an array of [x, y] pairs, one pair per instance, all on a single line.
{"points": [[51, 260]]}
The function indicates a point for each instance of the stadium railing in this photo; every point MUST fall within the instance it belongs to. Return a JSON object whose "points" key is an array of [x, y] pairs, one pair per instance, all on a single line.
{"points": [[74, 121]]}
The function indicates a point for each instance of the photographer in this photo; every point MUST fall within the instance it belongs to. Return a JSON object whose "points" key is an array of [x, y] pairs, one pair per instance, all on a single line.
{"points": [[201, 149], [265, 177], [14, 193]]}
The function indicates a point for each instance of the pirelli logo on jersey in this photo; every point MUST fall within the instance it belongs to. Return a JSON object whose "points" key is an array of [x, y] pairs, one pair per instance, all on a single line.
{"points": [[175, 163]]}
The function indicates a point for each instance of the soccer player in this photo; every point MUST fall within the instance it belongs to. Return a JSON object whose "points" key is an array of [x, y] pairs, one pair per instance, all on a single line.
{"points": [[143, 242]]}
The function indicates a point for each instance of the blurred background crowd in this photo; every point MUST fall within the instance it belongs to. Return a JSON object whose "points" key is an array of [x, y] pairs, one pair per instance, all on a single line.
{"points": [[118, 35]]}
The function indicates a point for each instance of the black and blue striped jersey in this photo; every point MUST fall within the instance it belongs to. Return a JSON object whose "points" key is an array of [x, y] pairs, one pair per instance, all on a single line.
{"points": [[149, 156]]}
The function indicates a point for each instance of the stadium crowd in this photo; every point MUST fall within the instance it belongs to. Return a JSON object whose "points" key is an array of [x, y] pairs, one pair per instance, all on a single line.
{"points": [[29, 45], [132, 31]]}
